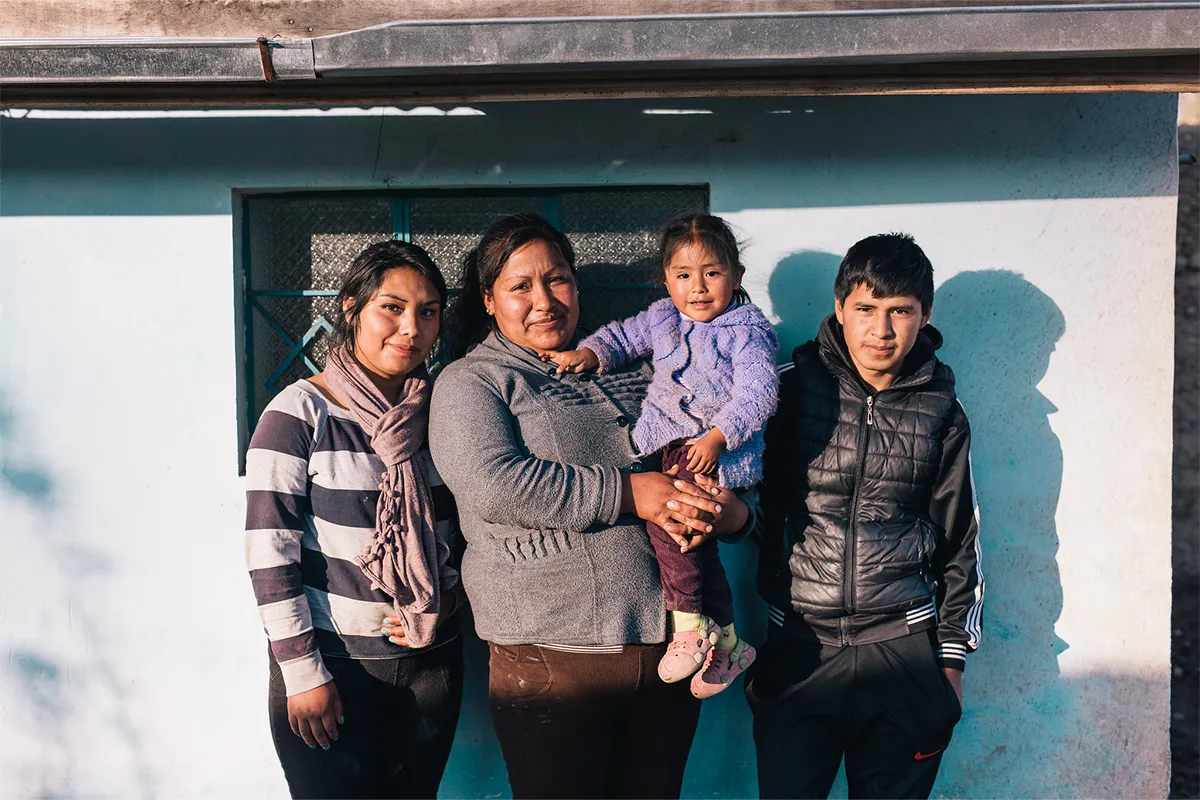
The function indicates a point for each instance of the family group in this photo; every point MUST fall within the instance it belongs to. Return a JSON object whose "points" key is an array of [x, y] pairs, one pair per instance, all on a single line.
{"points": [[568, 487]]}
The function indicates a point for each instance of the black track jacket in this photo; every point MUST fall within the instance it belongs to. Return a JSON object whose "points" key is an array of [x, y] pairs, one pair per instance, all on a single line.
{"points": [[870, 525]]}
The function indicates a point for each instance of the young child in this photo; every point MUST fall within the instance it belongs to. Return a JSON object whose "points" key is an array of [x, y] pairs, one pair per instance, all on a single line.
{"points": [[714, 387]]}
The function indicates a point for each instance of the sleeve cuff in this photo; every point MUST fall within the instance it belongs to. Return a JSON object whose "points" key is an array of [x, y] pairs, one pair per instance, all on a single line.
{"points": [[304, 673], [604, 361], [753, 514], [604, 354], [610, 502], [952, 655], [734, 432], [455, 593], [450, 580]]}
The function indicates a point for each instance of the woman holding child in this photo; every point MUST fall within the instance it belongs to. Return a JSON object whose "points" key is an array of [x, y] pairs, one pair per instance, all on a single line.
{"points": [[554, 494]]}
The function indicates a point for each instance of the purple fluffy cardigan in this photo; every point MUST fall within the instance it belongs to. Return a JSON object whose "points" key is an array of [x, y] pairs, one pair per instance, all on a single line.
{"points": [[719, 374]]}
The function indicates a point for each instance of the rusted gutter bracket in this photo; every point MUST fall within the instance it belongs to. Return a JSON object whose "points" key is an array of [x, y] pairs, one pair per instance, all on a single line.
{"points": [[264, 56]]}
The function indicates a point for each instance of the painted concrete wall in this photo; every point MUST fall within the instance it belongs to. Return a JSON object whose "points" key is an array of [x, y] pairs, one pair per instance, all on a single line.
{"points": [[134, 664]]}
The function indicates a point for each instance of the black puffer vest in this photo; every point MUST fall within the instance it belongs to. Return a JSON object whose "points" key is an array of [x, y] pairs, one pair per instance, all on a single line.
{"points": [[856, 541]]}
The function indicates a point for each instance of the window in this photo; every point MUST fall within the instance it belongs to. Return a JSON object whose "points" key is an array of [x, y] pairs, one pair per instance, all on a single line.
{"points": [[296, 247]]}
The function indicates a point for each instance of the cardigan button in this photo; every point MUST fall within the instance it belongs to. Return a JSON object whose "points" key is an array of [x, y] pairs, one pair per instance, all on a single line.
{"points": [[622, 420], [636, 467]]}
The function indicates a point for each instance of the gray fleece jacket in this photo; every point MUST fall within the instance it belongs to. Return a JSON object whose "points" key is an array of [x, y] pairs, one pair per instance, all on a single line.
{"points": [[534, 460]]}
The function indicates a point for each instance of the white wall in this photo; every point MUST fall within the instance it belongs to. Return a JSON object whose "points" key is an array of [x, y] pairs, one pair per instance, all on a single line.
{"points": [[135, 665]]}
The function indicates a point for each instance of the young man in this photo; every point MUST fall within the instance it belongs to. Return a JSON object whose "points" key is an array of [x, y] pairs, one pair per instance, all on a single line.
{"points": [[870, 554]]}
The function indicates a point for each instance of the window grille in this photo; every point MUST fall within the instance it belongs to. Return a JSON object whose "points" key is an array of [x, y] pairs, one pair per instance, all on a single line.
{"points": [[296, 247]]}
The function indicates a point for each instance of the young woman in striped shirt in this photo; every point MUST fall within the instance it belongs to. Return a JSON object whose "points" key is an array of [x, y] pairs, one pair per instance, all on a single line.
{"points": [[347, 527]]}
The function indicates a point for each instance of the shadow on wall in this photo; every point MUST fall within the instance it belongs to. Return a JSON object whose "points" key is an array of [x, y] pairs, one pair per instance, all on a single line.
{"points": [[801, 290], [59, 704], [1021, 733], [948, 149], [26, 479]]}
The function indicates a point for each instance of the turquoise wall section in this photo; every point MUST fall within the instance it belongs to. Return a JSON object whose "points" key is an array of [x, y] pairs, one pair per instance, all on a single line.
{"points": [[1049, 220]]}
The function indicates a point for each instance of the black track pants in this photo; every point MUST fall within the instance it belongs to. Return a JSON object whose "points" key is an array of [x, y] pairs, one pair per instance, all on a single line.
{"points": [[887, 707]]}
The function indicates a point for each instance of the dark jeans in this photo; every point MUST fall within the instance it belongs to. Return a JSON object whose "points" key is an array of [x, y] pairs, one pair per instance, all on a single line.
{"points": [[693, 581], [887, 707], [400, 718], [590, 724]]}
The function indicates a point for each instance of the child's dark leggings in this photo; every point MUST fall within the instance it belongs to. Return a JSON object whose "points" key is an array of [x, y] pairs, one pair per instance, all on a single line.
{"points": [[693, 581]]}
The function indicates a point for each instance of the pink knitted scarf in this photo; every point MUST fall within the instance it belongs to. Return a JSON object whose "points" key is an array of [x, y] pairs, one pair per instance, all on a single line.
{"points": [[406, 555]]}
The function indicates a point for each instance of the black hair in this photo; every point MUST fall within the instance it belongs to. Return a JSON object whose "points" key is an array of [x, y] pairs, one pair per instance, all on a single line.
{"points": [[890, 265], [365, 276], [482, 266], [710, 232]]}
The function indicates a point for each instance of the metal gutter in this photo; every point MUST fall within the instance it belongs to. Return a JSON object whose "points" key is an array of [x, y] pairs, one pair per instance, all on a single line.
{"points": [[758, 40], [146, 60], [633, 54]]}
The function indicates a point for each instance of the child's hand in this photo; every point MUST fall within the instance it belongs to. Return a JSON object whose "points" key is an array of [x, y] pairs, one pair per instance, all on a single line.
{"points": [[583, 360], [704, 452]]}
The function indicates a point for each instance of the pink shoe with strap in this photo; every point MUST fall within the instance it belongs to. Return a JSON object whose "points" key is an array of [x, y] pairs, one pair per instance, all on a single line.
{"points": [[723, 667], [688, 651]]}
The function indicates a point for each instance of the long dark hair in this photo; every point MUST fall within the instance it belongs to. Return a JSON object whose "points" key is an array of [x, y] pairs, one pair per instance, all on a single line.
{"points": [[365, 276], [708, 231], [482, 266]]}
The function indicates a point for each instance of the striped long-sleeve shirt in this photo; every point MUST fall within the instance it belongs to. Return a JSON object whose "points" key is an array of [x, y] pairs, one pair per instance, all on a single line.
{"points": [[312, 482]]}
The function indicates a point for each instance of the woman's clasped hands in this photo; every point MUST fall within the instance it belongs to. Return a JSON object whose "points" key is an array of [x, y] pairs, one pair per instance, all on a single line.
{"points": [[689, 511]]}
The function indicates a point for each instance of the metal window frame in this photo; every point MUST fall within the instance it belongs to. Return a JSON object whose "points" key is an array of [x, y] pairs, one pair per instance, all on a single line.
{"points": [[401, 216]]}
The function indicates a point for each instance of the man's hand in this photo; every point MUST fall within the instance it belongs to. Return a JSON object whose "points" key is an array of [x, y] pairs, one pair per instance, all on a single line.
{"points": [[955, 678], [704, 452], [314, 715], [582, 360]]}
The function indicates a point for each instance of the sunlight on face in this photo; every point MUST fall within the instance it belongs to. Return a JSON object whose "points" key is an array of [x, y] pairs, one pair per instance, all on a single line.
{"points": [[880, 332], [535, 298], [700, 285], [398, 328]]}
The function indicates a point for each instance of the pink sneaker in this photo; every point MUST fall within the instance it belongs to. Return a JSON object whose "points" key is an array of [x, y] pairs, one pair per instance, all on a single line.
{"points": [[723, 667], [688, 650]]}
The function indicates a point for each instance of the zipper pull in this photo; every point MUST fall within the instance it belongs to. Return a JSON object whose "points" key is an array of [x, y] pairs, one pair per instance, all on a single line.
{"points": [[870, 411]]}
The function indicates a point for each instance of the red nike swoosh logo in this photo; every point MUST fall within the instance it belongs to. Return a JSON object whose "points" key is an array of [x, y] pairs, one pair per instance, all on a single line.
{"points": [[923, 756]]}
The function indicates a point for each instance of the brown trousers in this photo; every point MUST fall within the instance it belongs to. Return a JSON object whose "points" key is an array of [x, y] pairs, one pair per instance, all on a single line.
{"points": [[590, 724]]}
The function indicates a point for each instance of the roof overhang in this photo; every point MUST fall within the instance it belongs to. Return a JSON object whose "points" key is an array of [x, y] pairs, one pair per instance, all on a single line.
{"points": [[1106, 46]]}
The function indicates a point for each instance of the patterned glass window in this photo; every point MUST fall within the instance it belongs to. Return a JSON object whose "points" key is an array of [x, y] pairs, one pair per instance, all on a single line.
{"points": [[297, 246]]}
